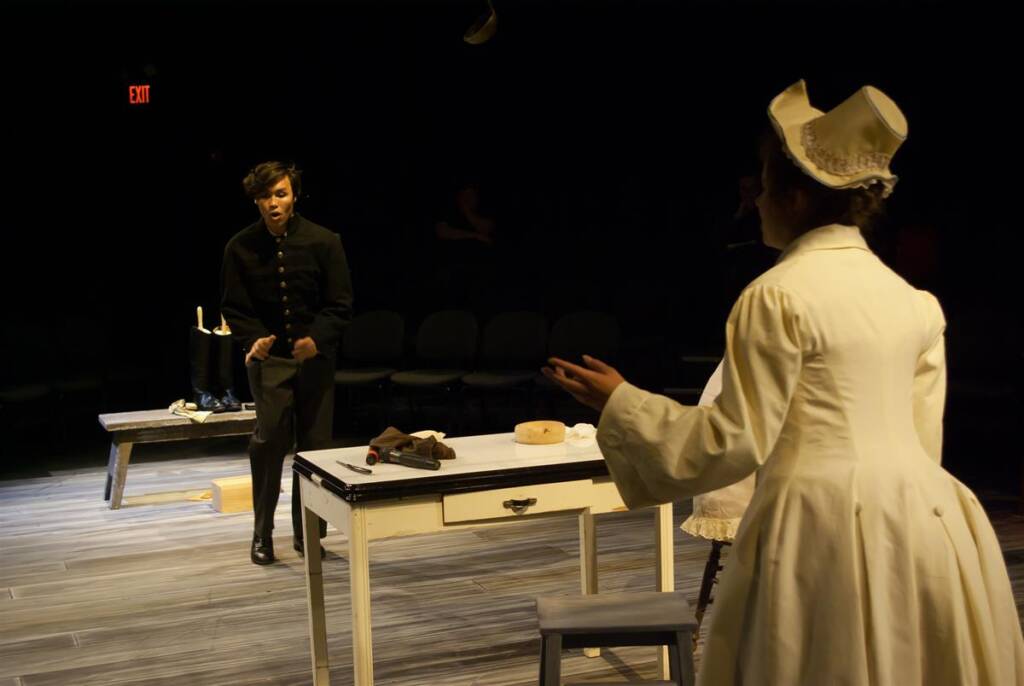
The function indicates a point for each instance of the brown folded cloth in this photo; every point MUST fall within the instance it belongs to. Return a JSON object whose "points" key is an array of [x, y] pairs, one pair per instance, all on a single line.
{"points": [[393, 439]]}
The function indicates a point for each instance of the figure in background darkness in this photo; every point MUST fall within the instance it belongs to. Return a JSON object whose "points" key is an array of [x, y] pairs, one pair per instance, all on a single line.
{"points": [[464, 220], [860, 560], [287, 296], [466, 235], [744, 254]]}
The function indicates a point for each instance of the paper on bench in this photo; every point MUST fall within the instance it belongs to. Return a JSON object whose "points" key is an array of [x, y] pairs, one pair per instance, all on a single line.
{"points": [[178, 407]]}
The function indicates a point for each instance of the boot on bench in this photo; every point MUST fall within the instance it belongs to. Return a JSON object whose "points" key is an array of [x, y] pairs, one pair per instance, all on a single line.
{"points": [[200, 348], [225, 355]]}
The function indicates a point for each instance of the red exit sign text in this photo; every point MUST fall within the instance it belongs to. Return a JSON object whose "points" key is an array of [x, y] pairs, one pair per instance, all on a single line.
{"points": [[139, 94]]}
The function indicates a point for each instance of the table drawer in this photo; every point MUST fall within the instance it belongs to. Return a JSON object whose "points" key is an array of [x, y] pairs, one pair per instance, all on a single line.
{"points": [[520, 501]]}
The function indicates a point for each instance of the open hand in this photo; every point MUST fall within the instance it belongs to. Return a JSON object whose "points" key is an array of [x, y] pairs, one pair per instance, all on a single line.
{"points": [[591, 385]]}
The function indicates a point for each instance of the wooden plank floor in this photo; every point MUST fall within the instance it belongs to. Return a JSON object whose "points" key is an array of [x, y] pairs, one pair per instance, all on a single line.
{"points": [[162, 591]]}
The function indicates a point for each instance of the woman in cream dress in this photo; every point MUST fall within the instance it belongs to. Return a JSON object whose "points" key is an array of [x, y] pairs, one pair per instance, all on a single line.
{"points": [[860, 560]]}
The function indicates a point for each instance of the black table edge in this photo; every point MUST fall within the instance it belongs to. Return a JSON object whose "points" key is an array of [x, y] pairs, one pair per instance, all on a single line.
{"points": [[462, 483]]}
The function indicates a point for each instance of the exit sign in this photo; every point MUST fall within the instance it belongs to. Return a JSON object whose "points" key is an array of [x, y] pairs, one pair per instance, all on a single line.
{"points": [[138, 94]]}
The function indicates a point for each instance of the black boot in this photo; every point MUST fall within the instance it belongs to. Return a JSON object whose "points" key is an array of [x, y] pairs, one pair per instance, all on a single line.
{"points": [[300, 548], [262, 551], [226, 371], [202, 377]]}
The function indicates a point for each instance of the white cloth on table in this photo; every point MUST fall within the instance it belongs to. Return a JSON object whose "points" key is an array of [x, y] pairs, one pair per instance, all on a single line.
{"points": [[581, 435]]}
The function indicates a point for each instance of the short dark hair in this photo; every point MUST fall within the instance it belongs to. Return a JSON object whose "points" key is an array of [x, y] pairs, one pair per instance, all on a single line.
{"points": [[264, 175], [861, 207]]}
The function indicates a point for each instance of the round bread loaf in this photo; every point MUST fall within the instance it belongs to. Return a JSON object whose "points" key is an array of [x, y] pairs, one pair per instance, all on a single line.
{"points": [[542, 432]]}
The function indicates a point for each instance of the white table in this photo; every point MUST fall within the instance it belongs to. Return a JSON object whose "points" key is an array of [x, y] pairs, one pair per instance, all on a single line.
{"points": [[492, 481]]}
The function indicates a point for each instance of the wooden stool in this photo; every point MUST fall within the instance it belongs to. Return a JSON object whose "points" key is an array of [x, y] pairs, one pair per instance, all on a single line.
{"points": [[616, 619]]}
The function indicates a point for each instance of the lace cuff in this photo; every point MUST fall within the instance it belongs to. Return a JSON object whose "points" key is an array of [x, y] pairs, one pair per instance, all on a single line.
{"points": [[711, 528]]}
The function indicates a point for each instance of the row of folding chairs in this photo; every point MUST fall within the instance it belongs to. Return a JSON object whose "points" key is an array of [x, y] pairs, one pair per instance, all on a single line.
{"points": [[450, 348]]}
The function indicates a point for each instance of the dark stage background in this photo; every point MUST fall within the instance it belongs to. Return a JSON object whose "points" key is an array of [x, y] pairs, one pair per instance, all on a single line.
{"points": [[607, 138]]}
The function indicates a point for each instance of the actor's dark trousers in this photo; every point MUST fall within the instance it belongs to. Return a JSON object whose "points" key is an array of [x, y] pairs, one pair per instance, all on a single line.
{"points": [[294, 406]]}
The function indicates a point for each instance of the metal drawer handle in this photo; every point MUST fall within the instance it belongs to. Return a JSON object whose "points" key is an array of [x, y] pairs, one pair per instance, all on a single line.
{"points": [[519, 506]]}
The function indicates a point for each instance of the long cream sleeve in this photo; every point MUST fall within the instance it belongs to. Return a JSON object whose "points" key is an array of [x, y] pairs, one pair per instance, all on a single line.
{"points": [[930, 385], [659, 451], [717, 514]]}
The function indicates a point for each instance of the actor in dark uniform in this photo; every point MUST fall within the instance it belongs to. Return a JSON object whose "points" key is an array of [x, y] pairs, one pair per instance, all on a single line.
{"points": [[287, 297]]}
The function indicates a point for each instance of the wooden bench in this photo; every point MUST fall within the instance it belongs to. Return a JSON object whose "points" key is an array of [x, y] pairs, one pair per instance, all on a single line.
{"points": [[158, 426]]}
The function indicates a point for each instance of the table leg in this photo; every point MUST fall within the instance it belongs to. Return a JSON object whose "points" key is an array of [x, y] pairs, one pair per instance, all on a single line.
{"points": [[315, 595], [120, 453], [359, 576], [111, 466], [665, 577], [588, 563]]}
